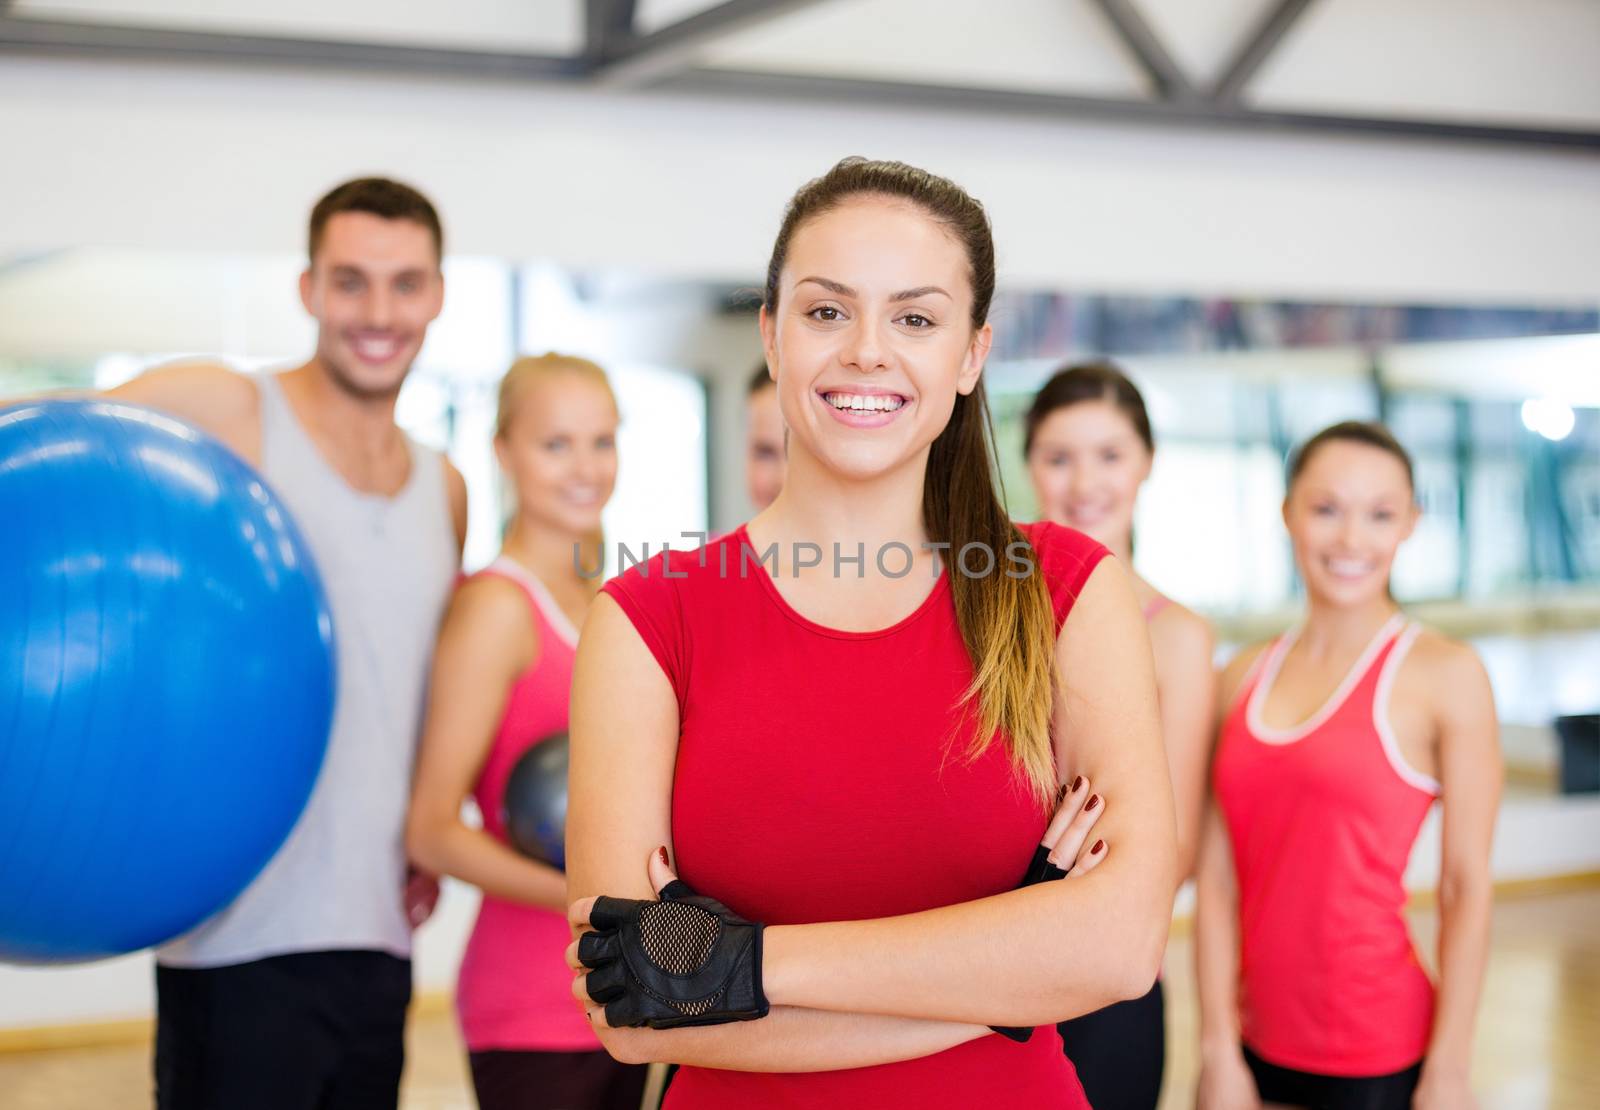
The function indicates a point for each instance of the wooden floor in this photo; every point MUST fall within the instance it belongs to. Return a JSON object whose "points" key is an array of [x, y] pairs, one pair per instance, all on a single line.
{"points": [[1538, 1040]]}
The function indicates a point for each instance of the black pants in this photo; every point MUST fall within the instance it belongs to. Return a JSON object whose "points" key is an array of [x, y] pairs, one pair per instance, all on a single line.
{"points": [[307, 1031], [1120, 1052], [555, 1081], [1333, 1092]]}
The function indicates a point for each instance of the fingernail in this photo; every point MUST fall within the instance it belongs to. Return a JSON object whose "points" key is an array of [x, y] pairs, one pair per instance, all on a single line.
{"points": [[1076, 784], [1094, 800], [662, 852], [1099, 846], [1062, 793]]}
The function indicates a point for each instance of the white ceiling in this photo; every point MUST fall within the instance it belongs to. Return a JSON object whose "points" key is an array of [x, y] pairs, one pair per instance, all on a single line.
{"points": [[1035, 45], [1529, 62], [1509, 61]]}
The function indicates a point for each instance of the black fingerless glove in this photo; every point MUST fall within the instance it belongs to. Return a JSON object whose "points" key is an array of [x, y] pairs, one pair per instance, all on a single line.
{"points": [[1040, 870], [685, 960]]}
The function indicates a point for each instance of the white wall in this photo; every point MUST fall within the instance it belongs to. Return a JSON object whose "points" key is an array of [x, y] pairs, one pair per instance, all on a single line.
{"points": [[126, 155]]}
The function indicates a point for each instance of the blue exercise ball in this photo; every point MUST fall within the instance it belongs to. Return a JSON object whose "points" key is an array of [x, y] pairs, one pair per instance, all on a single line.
{"points": [[166, 678]]}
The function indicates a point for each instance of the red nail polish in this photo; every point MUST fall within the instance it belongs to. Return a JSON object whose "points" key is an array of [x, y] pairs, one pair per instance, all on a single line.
{"points": [[662, 852], [1099, 846], [1077, 783], [1062, 793], [1094, 800]]}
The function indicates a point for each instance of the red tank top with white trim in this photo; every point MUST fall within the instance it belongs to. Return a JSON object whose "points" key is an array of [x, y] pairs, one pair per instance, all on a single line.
{"points": [[1322, 818]]}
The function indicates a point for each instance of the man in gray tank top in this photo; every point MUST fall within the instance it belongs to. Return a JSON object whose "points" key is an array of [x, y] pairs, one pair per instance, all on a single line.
{"points": [[294, 995]]}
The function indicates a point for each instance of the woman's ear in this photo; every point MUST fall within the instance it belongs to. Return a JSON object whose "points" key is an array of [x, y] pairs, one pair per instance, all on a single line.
{"points": [[769, 340], [977, 355], [1413, 515]]}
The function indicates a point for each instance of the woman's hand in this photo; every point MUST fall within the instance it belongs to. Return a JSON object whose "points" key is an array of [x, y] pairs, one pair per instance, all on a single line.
{"points": [[1443, 1088], [1225, 1081], [1066, 838], [420, 896], [680, 959], [1061, 855]]}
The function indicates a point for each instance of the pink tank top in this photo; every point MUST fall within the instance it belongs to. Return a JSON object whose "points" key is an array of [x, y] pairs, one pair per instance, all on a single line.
{"points": [[514, 989], [1322, 818]]}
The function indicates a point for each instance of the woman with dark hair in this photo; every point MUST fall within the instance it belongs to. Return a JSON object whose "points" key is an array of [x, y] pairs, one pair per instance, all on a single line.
{"points": [[836, 751], [1089, 448], [1337, 739]]}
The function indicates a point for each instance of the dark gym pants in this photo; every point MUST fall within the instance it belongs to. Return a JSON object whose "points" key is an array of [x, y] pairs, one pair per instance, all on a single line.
{"points": [[1333, 1092], [1120, 1052], [518, 1080], [306, 1031]]}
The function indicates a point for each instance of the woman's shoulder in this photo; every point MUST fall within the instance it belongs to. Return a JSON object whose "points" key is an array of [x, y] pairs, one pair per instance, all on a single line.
{"points": [[1439, 667], [1176, 631], [671, 584], [490, 595], [1063, 552], [1064, 556], [1233, 673], [492, 608]]}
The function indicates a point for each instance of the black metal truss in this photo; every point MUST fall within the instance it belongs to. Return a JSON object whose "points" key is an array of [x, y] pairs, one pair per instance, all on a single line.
{"points": [[614, 54]]}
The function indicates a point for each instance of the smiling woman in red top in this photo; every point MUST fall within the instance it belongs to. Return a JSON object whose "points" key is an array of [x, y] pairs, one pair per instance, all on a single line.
{"points": [[850, 759], [1336, 740]]}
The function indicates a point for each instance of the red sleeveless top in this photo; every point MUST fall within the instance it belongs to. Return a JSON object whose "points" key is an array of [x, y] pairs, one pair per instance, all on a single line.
{"points": [[514, 990], [814, 783], [1321, 819]]}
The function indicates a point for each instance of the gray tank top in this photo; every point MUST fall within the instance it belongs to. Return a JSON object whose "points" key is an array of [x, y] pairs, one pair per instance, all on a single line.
{"points": [[388, 565]]}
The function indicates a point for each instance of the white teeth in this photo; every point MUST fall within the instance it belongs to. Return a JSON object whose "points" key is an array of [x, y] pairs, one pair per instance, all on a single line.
{"points": [[377, 348], [858, 402], [1349, 568]]}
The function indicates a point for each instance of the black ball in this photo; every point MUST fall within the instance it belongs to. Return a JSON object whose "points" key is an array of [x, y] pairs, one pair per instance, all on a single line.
{"points": [[535, 804]]}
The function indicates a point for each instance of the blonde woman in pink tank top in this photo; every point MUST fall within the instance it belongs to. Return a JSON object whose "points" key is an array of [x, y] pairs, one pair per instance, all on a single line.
{"points": [[1336, 740], [1089, 448], [502, 675]]}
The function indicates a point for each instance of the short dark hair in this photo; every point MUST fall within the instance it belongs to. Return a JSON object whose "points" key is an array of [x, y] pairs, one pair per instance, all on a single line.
{"points": [[759, 380], [1100, 380], [1369, 433], [378, 196]]}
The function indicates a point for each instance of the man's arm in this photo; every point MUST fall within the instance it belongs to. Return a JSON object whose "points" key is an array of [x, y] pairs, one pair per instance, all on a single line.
{"points": [[215, 399]]}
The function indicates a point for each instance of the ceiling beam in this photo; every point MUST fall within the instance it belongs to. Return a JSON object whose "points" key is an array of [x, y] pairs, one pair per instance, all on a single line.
{"points": [[606, 23], [643, 58], [734, 83], [1256, 48], [43, 37], [46, 37], [1166, 77]]}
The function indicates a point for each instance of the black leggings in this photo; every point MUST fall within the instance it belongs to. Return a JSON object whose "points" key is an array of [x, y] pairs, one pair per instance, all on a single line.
{"points": [[518, 1080], [1333, 1092], [1120, 1052]]}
